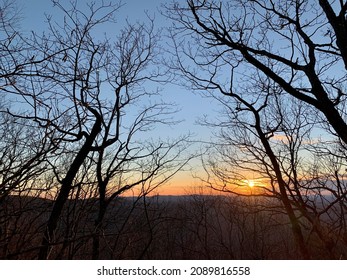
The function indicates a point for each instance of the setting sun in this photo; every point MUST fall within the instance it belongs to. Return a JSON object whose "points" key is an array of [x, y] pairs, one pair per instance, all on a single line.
{"points": [[250, 183]]}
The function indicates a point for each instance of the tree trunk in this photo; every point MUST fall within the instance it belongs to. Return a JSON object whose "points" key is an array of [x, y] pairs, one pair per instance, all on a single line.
{"points": [[296, 229], [98, 229], [65, 190]]}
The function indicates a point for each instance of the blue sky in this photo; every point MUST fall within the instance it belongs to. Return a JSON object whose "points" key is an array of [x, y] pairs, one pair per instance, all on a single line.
{"points": [[191, 105]]}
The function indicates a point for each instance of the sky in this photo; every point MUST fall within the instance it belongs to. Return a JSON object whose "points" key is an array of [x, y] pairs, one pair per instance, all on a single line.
{"points": [[191, 105]]}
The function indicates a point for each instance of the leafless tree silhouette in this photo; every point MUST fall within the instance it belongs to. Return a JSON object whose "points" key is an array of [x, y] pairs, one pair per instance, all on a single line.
{"points": [[280, 71], [85, 95]]}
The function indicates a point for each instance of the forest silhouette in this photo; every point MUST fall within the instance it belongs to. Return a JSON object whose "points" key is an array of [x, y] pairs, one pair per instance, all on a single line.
{"points": [[81, 159]]}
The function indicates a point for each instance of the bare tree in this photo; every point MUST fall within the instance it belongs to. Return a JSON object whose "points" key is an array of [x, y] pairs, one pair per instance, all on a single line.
{"points": [[297, 44], [262, 56], [23, 151], [86, 93], [150, 167], [11, 45]]}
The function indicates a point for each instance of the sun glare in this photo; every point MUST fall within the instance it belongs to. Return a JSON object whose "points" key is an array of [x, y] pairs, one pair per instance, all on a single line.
{"points": [[250, 183]]}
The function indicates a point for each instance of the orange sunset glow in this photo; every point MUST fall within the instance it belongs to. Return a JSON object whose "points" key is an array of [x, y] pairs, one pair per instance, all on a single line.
{"points": [[193, 129]]}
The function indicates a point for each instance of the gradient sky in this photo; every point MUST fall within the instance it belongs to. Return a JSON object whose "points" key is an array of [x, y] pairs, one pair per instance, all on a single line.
{"points": [[191, 105]]}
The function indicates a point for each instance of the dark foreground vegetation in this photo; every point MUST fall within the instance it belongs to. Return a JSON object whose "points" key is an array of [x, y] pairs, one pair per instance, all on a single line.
{"points": [[84, 122], [159, 227]]}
